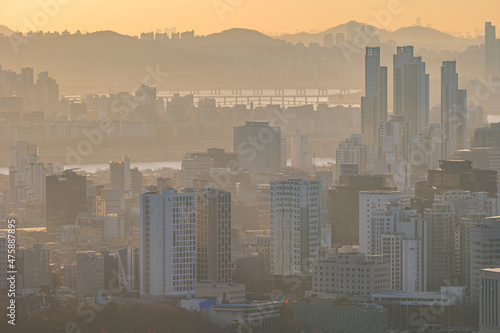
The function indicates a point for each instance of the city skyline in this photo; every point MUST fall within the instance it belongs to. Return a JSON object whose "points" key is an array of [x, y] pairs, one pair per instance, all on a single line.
{"points": [[213, 16]]}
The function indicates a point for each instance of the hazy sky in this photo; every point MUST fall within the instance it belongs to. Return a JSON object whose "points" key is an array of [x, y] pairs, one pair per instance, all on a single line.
{"points": [[208, 16]]}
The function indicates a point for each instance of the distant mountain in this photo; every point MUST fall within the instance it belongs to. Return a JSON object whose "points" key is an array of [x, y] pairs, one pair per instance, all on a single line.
{"points": [[107, 58], [239, 36], [416, 36], [6, 31], [427, 36]]}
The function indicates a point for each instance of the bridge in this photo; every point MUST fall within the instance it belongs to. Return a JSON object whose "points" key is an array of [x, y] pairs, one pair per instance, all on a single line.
{"points": [[262, 96]]}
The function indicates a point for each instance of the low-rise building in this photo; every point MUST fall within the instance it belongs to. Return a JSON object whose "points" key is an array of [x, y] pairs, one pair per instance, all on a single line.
{"points": [[329, 316], [229, 293], [351, 273]]}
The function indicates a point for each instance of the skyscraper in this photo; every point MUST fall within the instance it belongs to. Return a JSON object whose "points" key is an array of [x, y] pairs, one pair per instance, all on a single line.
{"points": [[213, 235], [411, 88], [490, 44], [453, 112], [168, 243], [120, 175], [258, 146], [301, 156], [295, 226], [374, 104]]}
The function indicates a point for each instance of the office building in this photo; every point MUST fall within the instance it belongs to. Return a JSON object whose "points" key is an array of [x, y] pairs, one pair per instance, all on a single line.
{"points": [[66, 197], [295, 234], [119, 172], [352, 274], [343, 205], [168, 243], [485, 252], [489, 300], [259, 146], [129, 268]]}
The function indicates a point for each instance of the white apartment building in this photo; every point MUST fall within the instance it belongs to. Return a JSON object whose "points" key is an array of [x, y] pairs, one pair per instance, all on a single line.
{"points": [[168, 243], [374, 201], [295, 231]]}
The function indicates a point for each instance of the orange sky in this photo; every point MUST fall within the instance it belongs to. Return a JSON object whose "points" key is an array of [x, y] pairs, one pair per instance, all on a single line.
{"points": [[207, 16]]}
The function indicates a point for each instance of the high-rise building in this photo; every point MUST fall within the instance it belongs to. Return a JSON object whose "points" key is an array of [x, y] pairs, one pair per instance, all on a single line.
{"points": [[485, 252], [489, 300], [295, 226], [89, 273], [168, 243], [352, 151], [411, 88], [453, 111], [213, 235], [33, 266], [192, 168], [440, 246], [119, 172], [129, 268], [374, 104], [370, 228], [404, 249], [34, 178], [66, 197], [343, 205], [301, 156], [490, 48], [20, 151], [258, 146], [47, 93]]}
